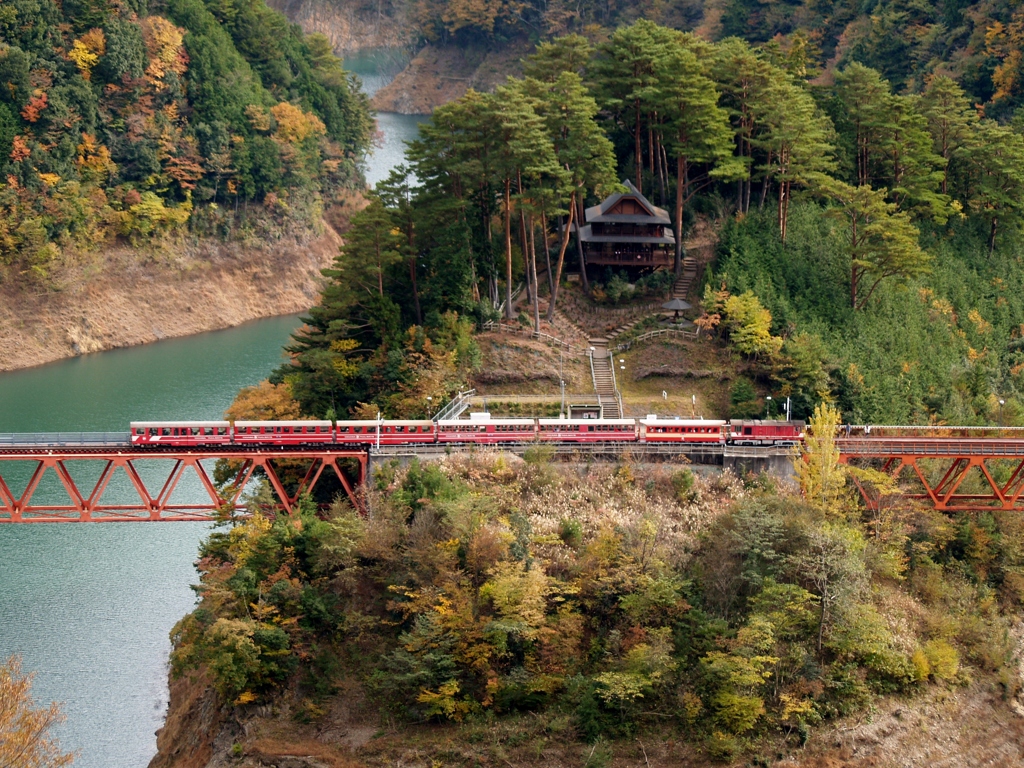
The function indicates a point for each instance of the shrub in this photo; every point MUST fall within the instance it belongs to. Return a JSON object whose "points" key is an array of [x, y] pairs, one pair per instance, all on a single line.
{"points": [[943, 659]]}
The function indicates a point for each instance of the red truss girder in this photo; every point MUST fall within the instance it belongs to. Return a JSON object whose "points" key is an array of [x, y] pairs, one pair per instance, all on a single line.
{"points": [[87, 507], [903, 454]]}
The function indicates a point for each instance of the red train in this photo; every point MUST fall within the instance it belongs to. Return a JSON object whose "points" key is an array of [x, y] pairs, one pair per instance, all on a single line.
{"points": [[479, 430]]}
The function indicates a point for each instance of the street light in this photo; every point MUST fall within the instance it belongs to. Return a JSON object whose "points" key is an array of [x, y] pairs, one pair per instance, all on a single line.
{"points": [[767, 406], [1001, 404], [430, 401]]}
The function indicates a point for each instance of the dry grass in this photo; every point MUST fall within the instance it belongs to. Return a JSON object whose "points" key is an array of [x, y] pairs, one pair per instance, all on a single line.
{"points": [[700, 369]]}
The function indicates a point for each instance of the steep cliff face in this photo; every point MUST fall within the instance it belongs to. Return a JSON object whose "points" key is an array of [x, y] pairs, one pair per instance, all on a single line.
{"points": [[194, 721], [437, 75], [349, 28], [121, 298]]}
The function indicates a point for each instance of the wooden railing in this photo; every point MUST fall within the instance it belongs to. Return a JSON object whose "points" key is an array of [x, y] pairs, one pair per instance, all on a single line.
{"points": [[496, 326], [657, 332]]}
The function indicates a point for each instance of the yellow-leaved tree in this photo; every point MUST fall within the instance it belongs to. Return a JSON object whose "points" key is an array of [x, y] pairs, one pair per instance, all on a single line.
{"points": [[822, 478], [24, 729]]}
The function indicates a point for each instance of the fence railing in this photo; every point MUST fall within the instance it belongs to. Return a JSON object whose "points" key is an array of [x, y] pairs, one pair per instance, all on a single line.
{"points": [[497, 326], [9, 439], [657, 332]]}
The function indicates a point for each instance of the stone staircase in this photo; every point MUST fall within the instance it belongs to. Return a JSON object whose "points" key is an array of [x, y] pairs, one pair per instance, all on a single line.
{"points": [[682, 286], [604, 379]]}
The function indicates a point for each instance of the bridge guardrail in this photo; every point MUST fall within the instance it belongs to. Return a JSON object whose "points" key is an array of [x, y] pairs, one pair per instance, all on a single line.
{"points": [[11, 439]]}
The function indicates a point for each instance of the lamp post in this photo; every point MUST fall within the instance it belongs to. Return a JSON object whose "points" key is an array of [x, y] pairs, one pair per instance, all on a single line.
{"points": [[767, 406], [430, 402], [788, 410], [1001, 404]]}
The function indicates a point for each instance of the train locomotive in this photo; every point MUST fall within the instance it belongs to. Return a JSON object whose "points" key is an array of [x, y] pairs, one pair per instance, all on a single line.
{"points": [[480, 429]]}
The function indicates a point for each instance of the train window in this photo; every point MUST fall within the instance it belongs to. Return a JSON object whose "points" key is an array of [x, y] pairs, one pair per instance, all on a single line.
{"points": [[747, 431]]}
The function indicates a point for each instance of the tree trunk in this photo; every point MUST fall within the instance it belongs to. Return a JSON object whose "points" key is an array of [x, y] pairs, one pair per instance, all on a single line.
{"points": [[533, 269], [680, 197], [854, 276], [579, 246], [638, 181], [523, 244], [650, 146], [508, 248], [547, 251], [992, 236], [411, 239], [663, 171], [561, 258]]}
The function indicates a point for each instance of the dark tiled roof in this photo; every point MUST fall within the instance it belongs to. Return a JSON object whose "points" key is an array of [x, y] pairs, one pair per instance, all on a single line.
{"points": [[598, 213]]}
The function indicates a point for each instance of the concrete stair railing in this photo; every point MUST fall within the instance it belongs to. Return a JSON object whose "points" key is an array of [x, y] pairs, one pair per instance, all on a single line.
{"points": [[604, 378]]}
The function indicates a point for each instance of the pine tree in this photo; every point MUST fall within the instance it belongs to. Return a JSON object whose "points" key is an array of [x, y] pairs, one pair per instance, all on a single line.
{"points": [[950, 119], [696, 129], [524, 150], [798, 140], [743, 77], [570, 53], [993, 159], [626, 73], [581, 149], [883, 243]]}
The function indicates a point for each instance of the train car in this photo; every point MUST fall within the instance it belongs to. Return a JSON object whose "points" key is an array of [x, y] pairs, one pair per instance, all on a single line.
{"points": [[283, 433], [587, 430], [356, 432], [757, 432], [405, 432], [179, 434], [655, 430], [486, 431]]}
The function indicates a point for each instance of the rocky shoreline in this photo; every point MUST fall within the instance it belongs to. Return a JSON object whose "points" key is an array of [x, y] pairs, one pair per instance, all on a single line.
{"points": [[437, 75], [122, 297]]}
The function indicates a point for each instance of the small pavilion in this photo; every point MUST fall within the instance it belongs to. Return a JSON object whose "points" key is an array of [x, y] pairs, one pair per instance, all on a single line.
{"points": [[626, 230]]}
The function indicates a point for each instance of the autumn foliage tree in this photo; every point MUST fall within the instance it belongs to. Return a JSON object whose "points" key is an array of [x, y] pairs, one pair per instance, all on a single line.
{"points": [[25, 739]]}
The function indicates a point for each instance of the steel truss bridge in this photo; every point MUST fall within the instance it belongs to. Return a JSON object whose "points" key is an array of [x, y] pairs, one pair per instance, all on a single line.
{"points": [[948, 469]]}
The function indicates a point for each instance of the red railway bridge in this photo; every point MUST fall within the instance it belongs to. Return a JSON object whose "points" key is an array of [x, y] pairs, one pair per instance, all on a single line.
{"points": [[949, 472], [949, 469], [85, 473]]}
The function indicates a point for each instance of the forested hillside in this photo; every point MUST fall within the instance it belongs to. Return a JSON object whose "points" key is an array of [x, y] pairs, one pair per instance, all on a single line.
{"points": [[539, 614], [869, 252], [976, 43], [128, 120]]}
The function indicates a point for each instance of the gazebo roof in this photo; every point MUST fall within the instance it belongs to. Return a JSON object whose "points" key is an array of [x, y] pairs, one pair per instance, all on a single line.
{"points": [[607, 210]]}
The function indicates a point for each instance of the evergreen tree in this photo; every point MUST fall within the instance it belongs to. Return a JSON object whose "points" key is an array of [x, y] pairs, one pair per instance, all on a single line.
{"points": [[696, 129], [581, 149], [743, 77], [797, 139], [882, 242], [993, 161], [950, 120], [627, 77], [524, 151]]}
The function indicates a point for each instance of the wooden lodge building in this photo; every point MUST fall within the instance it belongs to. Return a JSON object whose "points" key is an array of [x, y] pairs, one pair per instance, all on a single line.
{"points": [[626, 230]]}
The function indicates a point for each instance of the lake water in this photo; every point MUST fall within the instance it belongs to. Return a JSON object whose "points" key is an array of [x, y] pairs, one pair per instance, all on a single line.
{"points": [[376, 69], [89, 606]]}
